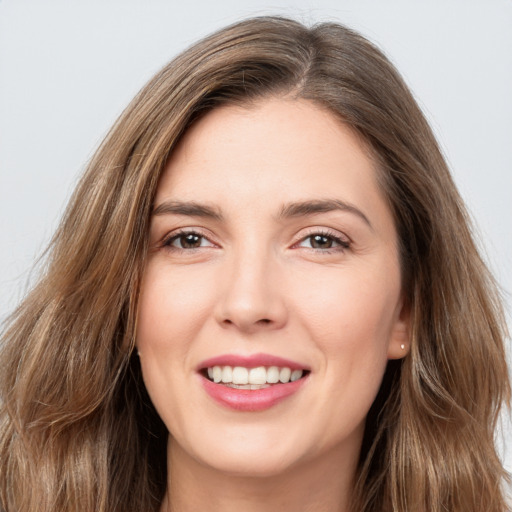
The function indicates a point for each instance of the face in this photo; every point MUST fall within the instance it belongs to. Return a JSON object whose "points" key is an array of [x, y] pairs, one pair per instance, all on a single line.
{"points": [[273, 255]]}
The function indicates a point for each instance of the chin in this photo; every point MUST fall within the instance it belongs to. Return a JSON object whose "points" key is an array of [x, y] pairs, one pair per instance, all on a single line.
{"points": [[256, 456], [261, 466]]}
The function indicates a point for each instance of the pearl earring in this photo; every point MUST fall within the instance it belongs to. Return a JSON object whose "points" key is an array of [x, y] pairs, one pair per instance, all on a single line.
{"points": [[402, 346]]}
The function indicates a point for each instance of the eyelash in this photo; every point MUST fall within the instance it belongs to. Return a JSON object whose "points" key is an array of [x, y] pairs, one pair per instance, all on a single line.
{"points": [[168, 241], [342, 244]]}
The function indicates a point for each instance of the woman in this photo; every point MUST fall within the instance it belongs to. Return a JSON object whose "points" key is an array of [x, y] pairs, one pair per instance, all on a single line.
{"points": [[268, 260]]}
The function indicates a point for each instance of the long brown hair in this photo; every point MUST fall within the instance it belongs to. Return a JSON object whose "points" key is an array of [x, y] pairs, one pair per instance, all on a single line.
{"points": [[77, 429]]}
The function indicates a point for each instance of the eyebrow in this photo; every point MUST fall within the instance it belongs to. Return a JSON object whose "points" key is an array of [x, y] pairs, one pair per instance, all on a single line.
{"points": [[295, 209], [189, 208], [304, 208]]}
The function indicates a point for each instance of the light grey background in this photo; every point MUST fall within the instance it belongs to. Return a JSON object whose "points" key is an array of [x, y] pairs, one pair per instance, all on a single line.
{"points": [[68, 67]]}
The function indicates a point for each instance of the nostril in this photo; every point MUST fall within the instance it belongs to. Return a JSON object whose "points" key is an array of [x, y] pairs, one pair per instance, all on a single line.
{"points": [[250, 323], [263, 321]]}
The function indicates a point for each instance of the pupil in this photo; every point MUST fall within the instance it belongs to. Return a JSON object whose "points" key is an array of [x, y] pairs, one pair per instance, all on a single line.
{"points": [[321, 242], [190, 241]]}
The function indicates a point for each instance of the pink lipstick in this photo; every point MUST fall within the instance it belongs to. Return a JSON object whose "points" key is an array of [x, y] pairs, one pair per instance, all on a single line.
{"points": [[251, 383]]}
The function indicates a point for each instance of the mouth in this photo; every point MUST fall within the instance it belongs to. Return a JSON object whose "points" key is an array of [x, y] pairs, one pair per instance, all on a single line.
{"points": [[251, 383]]}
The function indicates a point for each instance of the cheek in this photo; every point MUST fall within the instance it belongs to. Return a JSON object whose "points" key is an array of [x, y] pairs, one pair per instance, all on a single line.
{"points": [[170, 306], [349, 311], [352, 331], [171, 311], [350, 317]]}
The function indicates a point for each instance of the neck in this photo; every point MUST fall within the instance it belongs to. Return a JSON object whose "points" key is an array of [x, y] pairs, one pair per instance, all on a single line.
{"points": [[322, 485]]}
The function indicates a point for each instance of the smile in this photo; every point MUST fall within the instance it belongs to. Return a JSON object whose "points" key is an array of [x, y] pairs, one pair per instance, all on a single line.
{"points": [[251, 383]]}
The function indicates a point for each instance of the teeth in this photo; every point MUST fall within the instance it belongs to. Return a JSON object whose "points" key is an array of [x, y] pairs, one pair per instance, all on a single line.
{"points": [[217, 374], [227, 374], [285, 374], [258, 375], [273, 375], [296, 375], [240, 375], [248, 386], [252, 378]]}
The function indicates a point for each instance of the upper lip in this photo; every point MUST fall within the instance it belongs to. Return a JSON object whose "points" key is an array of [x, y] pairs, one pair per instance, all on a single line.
{"points": [[251, 361]]}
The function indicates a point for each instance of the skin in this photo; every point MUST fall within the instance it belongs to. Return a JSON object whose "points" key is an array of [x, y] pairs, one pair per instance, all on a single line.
{"points": [[256, 284]]}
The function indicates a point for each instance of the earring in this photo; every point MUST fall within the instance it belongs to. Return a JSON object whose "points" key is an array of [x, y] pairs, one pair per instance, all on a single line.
{"points": [[402, 346]]}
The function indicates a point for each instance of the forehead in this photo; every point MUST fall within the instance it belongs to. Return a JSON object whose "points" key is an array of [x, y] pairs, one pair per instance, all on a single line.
{"points": [[272, 152], [293, 140]]}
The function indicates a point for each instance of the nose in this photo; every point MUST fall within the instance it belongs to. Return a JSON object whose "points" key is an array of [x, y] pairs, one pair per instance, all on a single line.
{"points": [[252, 296]]}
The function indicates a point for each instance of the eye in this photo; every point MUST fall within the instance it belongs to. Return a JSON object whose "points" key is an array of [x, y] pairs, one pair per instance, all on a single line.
{"points": [[187, 240], [324, 242]]}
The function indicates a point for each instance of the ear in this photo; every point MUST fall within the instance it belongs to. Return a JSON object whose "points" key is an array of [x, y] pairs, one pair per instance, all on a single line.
{"points": [[400, 339]]}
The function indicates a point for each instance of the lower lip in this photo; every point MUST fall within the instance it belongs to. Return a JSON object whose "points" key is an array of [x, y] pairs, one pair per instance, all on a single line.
{"points": [[251, 399]]}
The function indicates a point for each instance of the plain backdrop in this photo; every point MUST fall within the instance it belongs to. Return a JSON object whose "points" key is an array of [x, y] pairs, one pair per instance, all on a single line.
{"points": [[69, 67]]}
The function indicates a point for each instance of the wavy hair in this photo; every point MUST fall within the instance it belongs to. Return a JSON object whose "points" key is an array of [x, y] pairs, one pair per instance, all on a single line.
{"points": [[77, 429]]}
